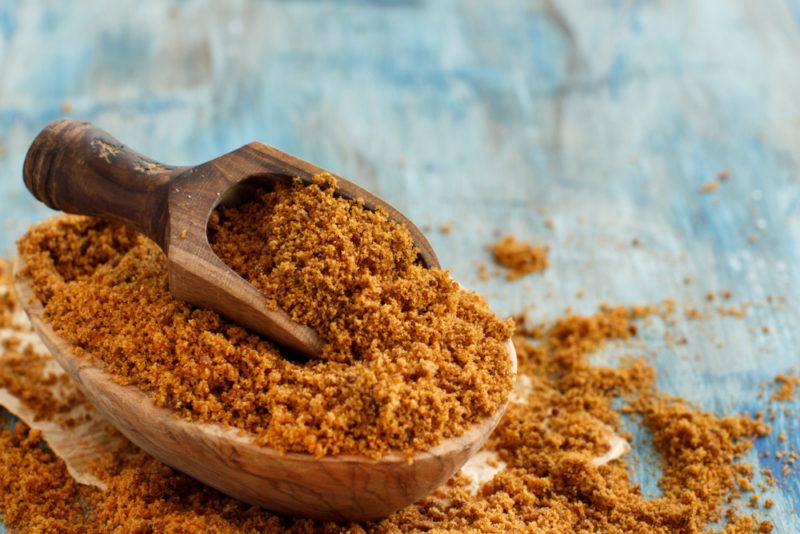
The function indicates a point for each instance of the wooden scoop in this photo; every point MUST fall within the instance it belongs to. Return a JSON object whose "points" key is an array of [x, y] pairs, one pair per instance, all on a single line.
{"points": [[335, 488], [77, 168]]}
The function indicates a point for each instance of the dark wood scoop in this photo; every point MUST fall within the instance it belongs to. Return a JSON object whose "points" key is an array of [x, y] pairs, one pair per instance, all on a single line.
{"points": [[77, 168]]}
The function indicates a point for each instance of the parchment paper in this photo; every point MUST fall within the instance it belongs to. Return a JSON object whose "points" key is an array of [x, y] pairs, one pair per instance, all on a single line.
{"points": [[79, 445]]}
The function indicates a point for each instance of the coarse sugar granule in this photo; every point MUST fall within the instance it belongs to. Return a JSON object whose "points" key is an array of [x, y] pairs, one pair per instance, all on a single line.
{"points": [[549, 484], [709, 187], [411, 358], [521, 258], [787, 386]]}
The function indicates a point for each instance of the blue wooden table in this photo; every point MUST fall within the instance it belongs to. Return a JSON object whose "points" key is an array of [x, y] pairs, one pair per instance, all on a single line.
{"points": [[588, 125]]}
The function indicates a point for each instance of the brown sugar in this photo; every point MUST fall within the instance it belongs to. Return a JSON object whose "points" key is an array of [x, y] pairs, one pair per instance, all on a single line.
{"points": [[371, 298], [35, 489], [787, 386], [411, 357], [23, 375], [483, 272], [693, 314], [709, 187], [547, 442], [712, 185], [521, 258], [738, 312], [8, 300]]}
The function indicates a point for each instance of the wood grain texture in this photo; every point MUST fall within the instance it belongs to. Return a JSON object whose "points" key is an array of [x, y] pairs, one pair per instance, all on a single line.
{"points": [[74, 167], [334, 488], [602, 116]]}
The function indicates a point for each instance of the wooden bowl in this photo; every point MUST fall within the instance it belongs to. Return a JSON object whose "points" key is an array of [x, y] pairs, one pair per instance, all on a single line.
{"points": [[338, 488]]}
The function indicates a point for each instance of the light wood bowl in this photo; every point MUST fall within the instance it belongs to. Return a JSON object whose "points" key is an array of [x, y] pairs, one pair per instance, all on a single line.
{"points": [[336, 488]]}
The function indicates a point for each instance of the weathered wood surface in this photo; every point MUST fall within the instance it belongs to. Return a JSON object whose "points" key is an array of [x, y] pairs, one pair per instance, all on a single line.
{"points": [[603, 116]]}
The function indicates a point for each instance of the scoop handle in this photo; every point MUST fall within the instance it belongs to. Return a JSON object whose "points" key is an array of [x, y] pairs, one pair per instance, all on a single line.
{"points": [[75, 167]]}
